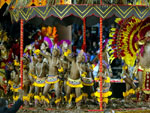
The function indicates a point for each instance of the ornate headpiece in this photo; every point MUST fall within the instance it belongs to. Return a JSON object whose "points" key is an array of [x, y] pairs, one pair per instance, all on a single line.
{"points": [[48, 42], [68, 42], [57, 48], [125, 40], [81, 52]]}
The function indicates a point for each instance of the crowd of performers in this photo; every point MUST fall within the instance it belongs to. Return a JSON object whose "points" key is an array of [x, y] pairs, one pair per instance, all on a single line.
{"points": [[53, 74]]}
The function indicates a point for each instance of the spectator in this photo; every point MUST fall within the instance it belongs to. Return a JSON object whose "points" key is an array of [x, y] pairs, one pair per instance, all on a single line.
{"points": [[88, 41], [80, 39], [4, 104]]}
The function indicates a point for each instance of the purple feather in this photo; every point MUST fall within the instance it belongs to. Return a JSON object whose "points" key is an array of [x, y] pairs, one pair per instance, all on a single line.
{"points": [[61, 42], [106, 41], [48, 41]]}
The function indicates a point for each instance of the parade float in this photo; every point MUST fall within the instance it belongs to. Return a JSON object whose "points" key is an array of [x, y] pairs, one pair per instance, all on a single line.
{"points": [[67, 14]]}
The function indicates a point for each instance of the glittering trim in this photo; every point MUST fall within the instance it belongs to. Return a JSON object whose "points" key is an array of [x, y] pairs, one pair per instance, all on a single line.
{"points": [[145, 75], [74, 83], [39, 82], [87, 82], [52, 79]]}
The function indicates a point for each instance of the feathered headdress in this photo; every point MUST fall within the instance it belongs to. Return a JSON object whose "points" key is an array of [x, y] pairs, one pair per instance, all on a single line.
{"points": [[48, 42], [64, 42], [125, 40]]}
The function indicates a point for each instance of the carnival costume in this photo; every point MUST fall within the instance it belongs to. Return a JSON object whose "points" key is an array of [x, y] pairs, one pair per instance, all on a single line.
{"points": [[128, 43], [105, 92]]}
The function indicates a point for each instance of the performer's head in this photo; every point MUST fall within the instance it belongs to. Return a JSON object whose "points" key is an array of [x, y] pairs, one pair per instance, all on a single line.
{"points": [[81, 57], [43, 46], [65, 46], [55, 51]]}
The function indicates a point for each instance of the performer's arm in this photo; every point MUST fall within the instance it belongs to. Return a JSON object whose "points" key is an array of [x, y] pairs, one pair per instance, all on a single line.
{"points": [[70, 59], [44, 55]]}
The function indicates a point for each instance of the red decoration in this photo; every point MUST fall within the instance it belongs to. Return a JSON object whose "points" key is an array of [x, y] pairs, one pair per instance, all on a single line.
{"points": [[21, 52], [101, 65], [84, 35]]}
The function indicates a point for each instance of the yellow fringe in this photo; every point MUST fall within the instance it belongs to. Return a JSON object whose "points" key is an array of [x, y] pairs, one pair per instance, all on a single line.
{"points": [[65, 97], [15, 89], [45, 99], [127, 93], [107, 94], [104, 100], [31, 95], [15, 98], [38, 85], [26, 98], [71, 96], [57, 100], [84, 74], [52, 82], [37, 97], [107, 80], [34, 76], [87, 84], [84, 94], [49, 96], [74, 86], [78, 99]]}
